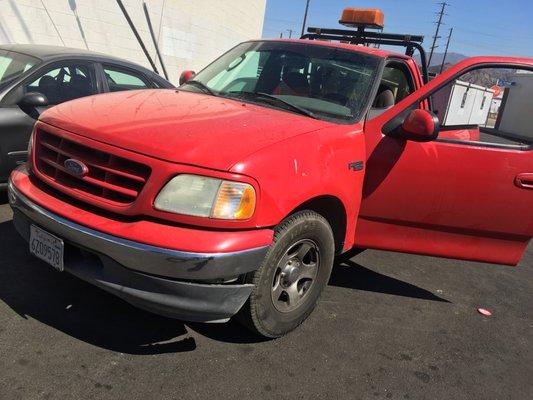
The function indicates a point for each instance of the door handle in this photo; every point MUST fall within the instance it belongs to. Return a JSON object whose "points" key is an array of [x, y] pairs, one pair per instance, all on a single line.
{"points": [[524, 180]]}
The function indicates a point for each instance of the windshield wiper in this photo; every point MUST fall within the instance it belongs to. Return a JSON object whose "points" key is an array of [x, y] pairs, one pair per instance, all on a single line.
{"points": [[201, 85], [279, 101]]}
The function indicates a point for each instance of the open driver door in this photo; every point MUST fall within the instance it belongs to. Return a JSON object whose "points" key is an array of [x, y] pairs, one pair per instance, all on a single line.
{"points": [[465, 191]]}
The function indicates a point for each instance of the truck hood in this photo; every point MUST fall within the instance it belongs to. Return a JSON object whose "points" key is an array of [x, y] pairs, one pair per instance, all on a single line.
{"points": [[179, 126]]}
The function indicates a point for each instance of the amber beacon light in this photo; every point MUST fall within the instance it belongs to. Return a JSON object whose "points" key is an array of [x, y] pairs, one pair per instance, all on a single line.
{"points": [[362, 17]]}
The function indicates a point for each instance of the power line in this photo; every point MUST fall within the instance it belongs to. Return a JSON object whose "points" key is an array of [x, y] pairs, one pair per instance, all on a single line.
{"points": [[478, 20], [498, 50], [286, 21], [503, 37], [439, 22], [305, 17], [446, 51]]}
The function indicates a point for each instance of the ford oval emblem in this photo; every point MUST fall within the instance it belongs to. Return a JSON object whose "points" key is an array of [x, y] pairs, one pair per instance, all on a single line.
{"points": [[76, 167]]}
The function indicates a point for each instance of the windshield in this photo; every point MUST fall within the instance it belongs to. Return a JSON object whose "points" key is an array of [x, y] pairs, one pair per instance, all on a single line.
{"points": [[319, 81], [13, 64]]}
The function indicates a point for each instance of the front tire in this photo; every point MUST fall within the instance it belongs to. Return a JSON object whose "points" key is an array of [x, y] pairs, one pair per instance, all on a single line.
{"points": [[289, 283]]}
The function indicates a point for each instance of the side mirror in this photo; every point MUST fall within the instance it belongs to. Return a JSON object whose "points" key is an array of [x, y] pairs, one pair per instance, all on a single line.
{"points": [[420, 125], [33, 100], [186, 76]]}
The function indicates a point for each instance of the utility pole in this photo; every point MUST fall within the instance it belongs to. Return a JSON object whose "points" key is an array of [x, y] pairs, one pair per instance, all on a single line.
{"points": [[281, 35], [305, 17], [290, 32], [446, 51], [439, 22]]}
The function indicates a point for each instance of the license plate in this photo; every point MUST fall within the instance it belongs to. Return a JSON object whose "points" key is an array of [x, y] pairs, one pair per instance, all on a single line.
{"points": [[47, 247]]}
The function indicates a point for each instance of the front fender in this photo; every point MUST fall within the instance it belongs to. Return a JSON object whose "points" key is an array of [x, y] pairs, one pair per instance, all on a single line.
{"points": [[328, 162]]}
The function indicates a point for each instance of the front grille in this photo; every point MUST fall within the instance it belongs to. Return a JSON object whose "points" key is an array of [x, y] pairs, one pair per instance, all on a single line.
{"points": [[109, 177]]}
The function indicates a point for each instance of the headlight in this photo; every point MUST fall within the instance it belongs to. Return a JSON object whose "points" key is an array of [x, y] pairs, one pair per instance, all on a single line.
{"points": [[202, 196]]}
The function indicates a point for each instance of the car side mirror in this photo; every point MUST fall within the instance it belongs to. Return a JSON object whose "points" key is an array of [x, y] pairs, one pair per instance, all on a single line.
{"points": [[420, 126], [33, 100], [186, 76]]}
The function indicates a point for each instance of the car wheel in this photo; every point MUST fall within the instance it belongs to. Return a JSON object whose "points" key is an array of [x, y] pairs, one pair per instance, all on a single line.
{"points": [[289, 283]]}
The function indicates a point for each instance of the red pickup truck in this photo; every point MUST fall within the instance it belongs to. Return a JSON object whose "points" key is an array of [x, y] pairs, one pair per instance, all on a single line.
{"points": [[234, 193]]}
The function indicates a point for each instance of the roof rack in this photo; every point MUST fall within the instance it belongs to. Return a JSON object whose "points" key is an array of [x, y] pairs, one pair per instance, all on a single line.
{"points": [[363, 37]]}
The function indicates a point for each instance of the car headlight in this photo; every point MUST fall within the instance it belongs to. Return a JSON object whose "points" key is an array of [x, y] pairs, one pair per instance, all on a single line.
{"points": [[202, 196]]}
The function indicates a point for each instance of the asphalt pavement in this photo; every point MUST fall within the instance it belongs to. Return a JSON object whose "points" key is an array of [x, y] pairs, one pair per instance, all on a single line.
{"points": [[389, 326]]}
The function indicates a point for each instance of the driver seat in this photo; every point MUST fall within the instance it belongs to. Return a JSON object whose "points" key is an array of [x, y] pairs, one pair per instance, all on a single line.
{"points": [[383, 101]]}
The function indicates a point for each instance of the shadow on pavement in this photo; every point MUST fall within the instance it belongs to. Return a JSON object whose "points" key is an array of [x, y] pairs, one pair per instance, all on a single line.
{"points": [[231, 332], [351, 275], [3, 197], [32, 289]]}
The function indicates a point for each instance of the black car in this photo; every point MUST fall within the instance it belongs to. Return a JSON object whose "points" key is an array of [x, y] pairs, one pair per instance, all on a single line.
{"points": [[35, 77]]}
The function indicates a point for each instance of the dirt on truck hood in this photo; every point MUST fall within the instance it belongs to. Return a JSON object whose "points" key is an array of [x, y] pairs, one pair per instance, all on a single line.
{"points": [[179, 126]]}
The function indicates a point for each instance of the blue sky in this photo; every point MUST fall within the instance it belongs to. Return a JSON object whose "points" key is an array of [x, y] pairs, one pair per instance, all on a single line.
{"points": [[481, 27]]}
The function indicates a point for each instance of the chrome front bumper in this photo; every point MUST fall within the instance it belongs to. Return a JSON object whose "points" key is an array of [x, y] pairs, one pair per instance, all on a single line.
{"points": [[168, 282]]}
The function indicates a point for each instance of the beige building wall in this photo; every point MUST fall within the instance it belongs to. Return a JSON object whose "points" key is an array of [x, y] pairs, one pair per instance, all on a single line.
{"points": [[190, 33]]}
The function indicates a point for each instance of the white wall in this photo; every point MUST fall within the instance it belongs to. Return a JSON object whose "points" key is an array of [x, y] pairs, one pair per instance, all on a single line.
{"points": [[191, 33]]}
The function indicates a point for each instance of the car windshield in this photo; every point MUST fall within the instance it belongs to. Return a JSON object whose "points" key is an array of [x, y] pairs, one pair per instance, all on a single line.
{"points": [[13, 64], [318, 81]]}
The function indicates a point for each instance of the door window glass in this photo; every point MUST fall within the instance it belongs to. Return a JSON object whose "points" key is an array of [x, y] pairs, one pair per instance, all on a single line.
{"points": [[119, 79], [487, 105], [64, 83]]}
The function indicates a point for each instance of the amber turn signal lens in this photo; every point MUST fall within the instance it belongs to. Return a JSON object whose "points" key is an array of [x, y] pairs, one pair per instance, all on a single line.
{"points": [[234, 200], [371, 17]]}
